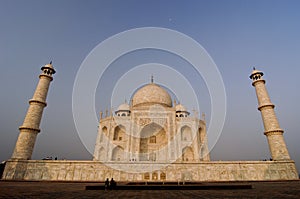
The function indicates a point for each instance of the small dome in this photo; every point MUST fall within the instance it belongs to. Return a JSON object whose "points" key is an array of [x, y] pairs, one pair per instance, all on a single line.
{"points": [[124, 107], [181, 111], [256, 72], [151, 94], [180, 107], [49, 66]]}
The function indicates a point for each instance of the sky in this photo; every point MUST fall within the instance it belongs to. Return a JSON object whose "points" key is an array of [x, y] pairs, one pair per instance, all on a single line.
{"points": [[236, 35]]}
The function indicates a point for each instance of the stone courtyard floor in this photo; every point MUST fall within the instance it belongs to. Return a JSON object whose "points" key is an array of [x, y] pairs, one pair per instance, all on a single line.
{"points": [[13, 189]]}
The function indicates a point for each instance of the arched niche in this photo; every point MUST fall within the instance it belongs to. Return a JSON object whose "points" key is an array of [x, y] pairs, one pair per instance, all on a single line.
{"points": [[119, 133], [102, 154], [187, 154], [186, 133], [103, 133], [117, 154]]}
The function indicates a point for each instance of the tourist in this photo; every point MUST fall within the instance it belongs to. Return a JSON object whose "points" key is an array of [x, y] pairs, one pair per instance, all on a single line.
{"points": [[106, 184], [113, 184]]}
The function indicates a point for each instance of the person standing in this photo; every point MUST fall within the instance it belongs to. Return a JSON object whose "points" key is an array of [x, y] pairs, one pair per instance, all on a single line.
{"points": [[106, 184], [112, 184]]}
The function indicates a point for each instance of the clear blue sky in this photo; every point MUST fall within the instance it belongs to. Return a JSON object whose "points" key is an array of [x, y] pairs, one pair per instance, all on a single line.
{"points": [[237, 34]]}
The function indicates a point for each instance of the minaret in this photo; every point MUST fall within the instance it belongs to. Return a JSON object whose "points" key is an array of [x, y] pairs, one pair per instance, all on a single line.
{"points": [[30, 128], [273, 131]]}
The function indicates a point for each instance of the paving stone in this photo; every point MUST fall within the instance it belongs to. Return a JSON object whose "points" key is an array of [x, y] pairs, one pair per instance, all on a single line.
{"points": [[45, 190]]}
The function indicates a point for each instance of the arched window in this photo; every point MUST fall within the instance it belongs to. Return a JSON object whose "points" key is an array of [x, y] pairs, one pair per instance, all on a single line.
{"points": [[162, 176], [153, 139], [146, 176], [154, 176]]}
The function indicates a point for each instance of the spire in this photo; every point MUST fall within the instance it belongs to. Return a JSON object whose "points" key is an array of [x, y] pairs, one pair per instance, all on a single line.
{"points": [[152, 79], [203, 116]]}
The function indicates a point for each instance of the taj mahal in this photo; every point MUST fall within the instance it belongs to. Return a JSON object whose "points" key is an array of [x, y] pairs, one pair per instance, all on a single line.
{"points": [[152, 129], [151, 138]]}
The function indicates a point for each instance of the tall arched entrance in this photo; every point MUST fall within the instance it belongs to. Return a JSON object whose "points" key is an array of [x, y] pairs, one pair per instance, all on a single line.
{"points": [[152, 138]]}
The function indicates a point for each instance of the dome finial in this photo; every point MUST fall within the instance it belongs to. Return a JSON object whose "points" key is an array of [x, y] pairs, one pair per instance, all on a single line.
{"points": [[152, 79], [254, 68]]}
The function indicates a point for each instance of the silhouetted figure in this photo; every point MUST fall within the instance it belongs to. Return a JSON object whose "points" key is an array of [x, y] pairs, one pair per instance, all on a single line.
{"points": [[112, 184], [106, 184]]}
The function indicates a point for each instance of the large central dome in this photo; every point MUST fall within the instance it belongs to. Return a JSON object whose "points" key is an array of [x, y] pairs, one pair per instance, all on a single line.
{"points": [[151, 94]]}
